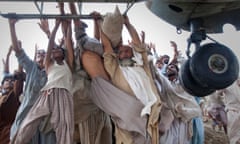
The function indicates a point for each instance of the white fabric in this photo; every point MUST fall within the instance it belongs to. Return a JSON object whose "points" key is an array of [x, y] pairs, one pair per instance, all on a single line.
{"points": [[183, 108], [216, 99], [233, 126], [177, 134], [186, 107], [137, 57], [232, 97], [183, 105], [141, 86], [60, 77]]}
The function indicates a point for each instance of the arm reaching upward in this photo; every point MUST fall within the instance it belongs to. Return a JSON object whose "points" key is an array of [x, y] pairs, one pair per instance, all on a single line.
{"points": [[43, 24], [176, 53], [79, 26], [51, 43], [97, 18], [23, 59], [132, 31], [106, 42], [61, 8], [13, 34], [6, 61], [69, 45], [67, 35], [73, 10], [65, 22]]}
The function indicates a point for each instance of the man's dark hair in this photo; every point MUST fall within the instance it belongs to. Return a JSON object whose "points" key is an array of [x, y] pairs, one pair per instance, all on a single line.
{"points": [[6, 77]]}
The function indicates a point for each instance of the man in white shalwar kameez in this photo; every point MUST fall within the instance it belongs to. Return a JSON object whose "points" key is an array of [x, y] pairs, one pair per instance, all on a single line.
{"points": [[178, 109], [232, 102]]}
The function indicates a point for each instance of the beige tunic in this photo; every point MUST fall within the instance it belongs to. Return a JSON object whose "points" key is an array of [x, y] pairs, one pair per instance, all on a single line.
{"points": [[118, 79]]}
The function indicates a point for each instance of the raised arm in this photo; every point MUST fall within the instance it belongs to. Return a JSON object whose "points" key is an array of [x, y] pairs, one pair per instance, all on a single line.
{"points": [[64, 21], [61, 8], [106, 42], [79, 26], [73, 10], [132, 31], [6, 61], [67, 36], [43, 24], [51, 43], [152, 47], [97, 18], [13, 34], [69, 46], [19, 75], [176, 53]]}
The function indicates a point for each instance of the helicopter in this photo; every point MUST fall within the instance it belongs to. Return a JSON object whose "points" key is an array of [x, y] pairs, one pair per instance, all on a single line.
{"points": [[212, 66]]}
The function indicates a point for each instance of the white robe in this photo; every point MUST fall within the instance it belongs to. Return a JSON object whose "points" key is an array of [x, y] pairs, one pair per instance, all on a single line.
{"points": [[232, 98], [140, 83], [141, 86]]}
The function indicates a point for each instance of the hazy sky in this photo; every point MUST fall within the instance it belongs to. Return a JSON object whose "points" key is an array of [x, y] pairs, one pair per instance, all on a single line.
{"points": [[157, 31]]}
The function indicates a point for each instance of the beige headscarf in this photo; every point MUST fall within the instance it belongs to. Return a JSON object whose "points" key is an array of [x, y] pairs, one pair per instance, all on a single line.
{"points": [[112, 26]]}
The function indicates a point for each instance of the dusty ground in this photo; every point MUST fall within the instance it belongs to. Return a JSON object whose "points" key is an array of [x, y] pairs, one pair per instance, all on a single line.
{"points": [[214, 136]]}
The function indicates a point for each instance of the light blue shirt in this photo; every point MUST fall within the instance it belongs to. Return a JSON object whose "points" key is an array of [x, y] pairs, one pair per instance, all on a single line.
{"points": [[198, 128], [35, 80]]}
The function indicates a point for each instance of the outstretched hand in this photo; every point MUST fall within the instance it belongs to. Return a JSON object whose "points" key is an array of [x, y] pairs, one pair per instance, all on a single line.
{"points": [[12, 21], [43, 24], [96, 15], [174, 45]]}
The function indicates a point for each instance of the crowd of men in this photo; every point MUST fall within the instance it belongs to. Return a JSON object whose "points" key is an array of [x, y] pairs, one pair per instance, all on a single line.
{"points": [[103, 91]]}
